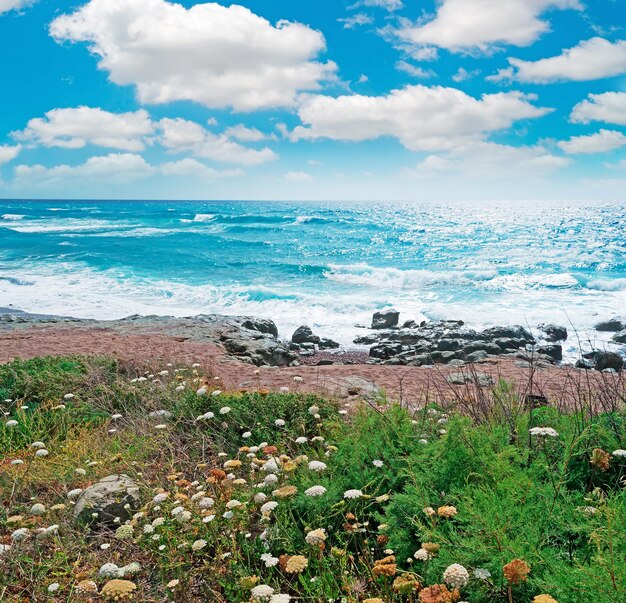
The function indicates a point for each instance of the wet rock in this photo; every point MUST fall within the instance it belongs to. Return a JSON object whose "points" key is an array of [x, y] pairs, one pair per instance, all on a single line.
{"points": [[384, 351], [410, 324], [480, 379], [448, 345], [113, 496], [508, 343], [385, 319], [304, 334], [602, 360], [554, 351], [613, 325], [369, 339], [620, 337], [512, 332], [584, 364], [554, 332], [477, 356], [482, 346], [328, 344], [262, 325]]}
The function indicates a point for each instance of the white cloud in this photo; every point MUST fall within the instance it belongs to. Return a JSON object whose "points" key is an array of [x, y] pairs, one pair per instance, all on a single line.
{"points": [[194, 168], [389, 5], [211, 54], [75, 128], [422, 53], [600, 142], [122, 167], [8, 5], [591, 59], [420, 117], [609, 107], [245, 134], [298, 177], [356, 21], [481, 24], [363, 79], [9, 153], [491, 160], [180, 135], [463, 74], [413, 71]]}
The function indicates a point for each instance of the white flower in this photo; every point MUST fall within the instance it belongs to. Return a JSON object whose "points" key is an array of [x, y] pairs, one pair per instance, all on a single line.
{"points": [[317, 466], [110, 570], [5, 548], [316, 537], [201, 391], [17, 462], [284, 389], [279, 423], [301, 440], [159, 521], [482, 574], [280, 598], [352, 494], [161, 497], [37, 509], [422, 441], [298, 379], [228, 515], [42, 452], [206, 502], [422, 555], [12, 423], [269, 560], [543, 432], [315, 491], [225, 410], [233, 504], [198, 545], [269, 506], [148, 529], [208, 519], [68, 396], [619, 453], [314, 410], [262, 592], [160, 426], [53, 587], [80, 471], [260, 498], [271, 466], [377, 463], [246, 435], [177, 511], [116, 416], [183, 517], [270, 479], [37, 445], [456, 576]]}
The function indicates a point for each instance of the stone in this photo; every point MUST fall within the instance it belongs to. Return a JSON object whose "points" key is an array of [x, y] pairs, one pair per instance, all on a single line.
{"points": [[357, 386], [603, 360], [448, 345], [262, 325], [613, 325], [384, 351], [477, 356], [108, 499], [385, 319], [480, 379], [410, 324], [554, 332], [304, 334], [620, 336], [513, 332], [328, 344], [482, 346], [554, 351]]}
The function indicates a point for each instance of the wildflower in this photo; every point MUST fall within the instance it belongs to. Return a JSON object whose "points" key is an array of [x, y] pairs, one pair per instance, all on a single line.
{"points": [[68, 396], [422, 441], [41, 453], [544, 599], [20, 535], [52, 588], [124, 532], [17, 462], [232, 464], [198, 545], [85, 587], [280, 598], [110, 570], [447, 511], [516, 571], [353, 494], [373, 600], [482, 574], [117, 590], [37, 445], [206, 502], [161, 426], [131, 569], [233, 504], [285, 492], [314, 410], [456, 576], [208, 519], [12, 423], [377, 463], [80, 471], [298, 379], [4, 548], [269, 506], [201, 391], [315, 491], [385, 567], [296, 564], [619, 453], [429, 511], [437, 593], [543, 432], [183, 517], [600, 459], [406, 584], [279, 423], [316, 537], [269, 560], [301, 440], [173, 583], [271, 466], [262, 592], [37, 509], [72, 494], [270, 479], [116, 416], [317, 466]]}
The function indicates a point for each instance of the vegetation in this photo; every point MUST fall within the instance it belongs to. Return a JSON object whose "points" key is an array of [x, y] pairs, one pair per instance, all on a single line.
{"points": [[262, 496]]}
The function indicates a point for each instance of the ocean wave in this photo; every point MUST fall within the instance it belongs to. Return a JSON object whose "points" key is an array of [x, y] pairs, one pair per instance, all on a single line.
{"points": [[204, 218], [606, 284], [13, 217]]}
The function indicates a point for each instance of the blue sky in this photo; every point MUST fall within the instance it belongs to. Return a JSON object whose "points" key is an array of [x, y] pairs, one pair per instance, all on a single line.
{"points": [[333, 99]]}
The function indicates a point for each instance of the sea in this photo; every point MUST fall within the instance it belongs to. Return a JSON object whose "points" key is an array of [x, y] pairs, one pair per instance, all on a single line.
{"points": [[329, 265]]}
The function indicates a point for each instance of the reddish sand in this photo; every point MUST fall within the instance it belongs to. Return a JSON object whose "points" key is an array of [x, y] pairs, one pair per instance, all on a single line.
{"points": [[410, 385]]}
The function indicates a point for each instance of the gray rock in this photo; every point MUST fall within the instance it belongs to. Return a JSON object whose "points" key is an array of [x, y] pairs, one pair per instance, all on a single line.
{"points": [[613, 325], [384, 351], [553, 350], [603, 360], [509, 343], [447, 357], [480, 379], [262, 325], [328, 344], [304, 334], [409, 324], [448, 345], [554, 332], [620, 337], [385, 319], [107, 499], [513, 332], [482, 346], [477, 356]]}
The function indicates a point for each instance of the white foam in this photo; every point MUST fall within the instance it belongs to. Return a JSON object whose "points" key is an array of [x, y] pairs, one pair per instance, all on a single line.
{"points": [[13, 216], [204, 217]]}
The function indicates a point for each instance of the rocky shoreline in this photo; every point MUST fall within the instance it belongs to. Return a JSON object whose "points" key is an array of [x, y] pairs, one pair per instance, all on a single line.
{"points": [[387, 342]]}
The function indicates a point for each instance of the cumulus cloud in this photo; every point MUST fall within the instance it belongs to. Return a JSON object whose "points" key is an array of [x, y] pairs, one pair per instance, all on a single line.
{"points": [[245, 134], [74, 128], [215, 55], [413, 70], [8, 5], [180, 135], [600, 142], [422, 118], [480, 24], [9, 153], [591, 59], [196, 169], [609, 107], [389, 5], [356, 21]]}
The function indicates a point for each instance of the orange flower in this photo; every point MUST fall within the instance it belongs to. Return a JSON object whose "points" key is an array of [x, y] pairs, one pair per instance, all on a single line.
{"points": [[447, 511], [544, 599], [438, 593], [385, 567], [516, 571], [600, 459]]}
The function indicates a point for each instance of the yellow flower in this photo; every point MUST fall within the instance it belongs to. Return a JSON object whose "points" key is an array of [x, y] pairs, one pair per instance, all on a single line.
{"points": [[447, 511], [117, 590], [544, 599], [285, 492], [296, 564]]}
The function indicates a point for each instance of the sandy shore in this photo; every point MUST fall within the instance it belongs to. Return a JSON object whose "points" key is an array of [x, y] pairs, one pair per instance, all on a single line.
{"points": [[408, 384]]}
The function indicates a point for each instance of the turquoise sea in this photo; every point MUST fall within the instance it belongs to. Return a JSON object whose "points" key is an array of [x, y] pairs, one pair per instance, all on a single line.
{"points": [[326, 264]]}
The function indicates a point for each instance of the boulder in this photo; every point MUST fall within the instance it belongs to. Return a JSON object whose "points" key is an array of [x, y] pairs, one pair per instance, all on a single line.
{"points": [[384, 351], [477, 356], [262, 351], [482, 346], [480, 379], [620, 336], [262, 325], [304, 334], [554, 332], [113, 496], [509, 343], [386, 319], [613, 325], [448, 345], [553, 350], [328, 344], [410, 324], [605, 360], [513, 332]]}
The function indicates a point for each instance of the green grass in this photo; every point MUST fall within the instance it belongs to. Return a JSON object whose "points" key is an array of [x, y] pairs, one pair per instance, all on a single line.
{"points": [[516, 497]]}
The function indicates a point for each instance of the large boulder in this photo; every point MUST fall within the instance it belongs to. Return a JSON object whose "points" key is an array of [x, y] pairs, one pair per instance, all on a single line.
{"points": [[262, 325], [304, 334], [620, 336], [553, 350], [384, 351], [112, 497], [613, 325], [602, 360], [386, 319], [554, 332], [513, 332], [328, 344]]}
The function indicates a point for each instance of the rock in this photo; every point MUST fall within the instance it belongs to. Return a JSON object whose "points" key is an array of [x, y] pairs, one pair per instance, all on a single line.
{"points": [[482, 346], [584, 364], [477, 356], [325, 362], [620, 337], [385, 319], [410, 324], [508, 343], [603, 360], [108, 499], [512, 332], [554, 332], [480, 379], [447, 357], [554, 351], [328, 344], [263, 351], [448, 345], [262, 325], [304, 334], [357, 386], [369, 339], [384, 351], [612, 325]]}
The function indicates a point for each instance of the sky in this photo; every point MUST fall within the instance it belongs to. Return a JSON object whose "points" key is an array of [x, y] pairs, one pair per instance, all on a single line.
{"points": [[412, 100]]}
